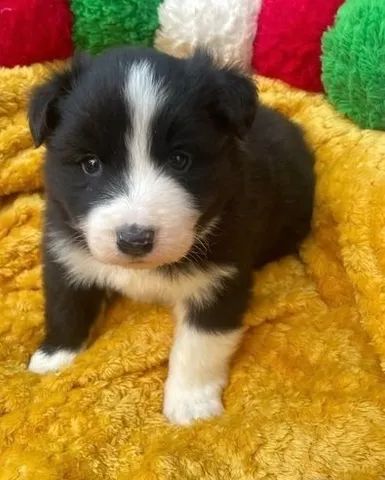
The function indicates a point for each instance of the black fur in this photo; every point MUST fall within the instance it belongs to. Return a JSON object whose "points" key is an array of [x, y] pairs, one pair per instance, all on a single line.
{"points": [[251, 168]]}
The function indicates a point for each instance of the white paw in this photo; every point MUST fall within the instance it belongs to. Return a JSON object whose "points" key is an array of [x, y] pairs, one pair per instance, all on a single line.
{"points": [[43, 362], [184, 405]]}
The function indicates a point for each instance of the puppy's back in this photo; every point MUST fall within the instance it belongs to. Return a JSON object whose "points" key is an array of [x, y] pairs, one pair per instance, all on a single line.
{"points": [[278, 149]]}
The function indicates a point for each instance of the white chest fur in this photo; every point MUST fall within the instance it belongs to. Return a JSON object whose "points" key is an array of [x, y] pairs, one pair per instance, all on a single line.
{"points": [[145, 285]]}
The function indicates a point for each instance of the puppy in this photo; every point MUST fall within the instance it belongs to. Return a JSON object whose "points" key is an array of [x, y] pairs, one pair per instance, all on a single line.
{"points": [[165, 181]]}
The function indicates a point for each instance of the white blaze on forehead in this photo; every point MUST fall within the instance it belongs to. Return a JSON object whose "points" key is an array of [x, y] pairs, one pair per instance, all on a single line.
{"points": [[150, 192], [145, 95]]}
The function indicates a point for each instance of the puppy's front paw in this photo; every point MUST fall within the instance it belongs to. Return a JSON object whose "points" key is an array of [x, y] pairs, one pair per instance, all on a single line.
{"points": [[44, 362], [183, 405]]}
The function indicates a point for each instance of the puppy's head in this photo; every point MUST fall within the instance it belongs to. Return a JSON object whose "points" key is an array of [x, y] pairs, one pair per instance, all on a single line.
{"points": [[141, 150]]}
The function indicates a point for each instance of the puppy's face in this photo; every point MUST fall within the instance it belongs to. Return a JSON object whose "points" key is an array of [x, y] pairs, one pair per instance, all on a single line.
{"points": [[141, 150]]}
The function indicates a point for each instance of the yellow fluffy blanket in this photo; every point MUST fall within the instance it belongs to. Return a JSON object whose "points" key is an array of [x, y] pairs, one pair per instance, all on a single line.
{"points": [[306, 398]]}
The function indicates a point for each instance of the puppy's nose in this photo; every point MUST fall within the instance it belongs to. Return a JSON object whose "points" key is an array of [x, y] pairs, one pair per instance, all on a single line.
{"points": [[135, 240]]}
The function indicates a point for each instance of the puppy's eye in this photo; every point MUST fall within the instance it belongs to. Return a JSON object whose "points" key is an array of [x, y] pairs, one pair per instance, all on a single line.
{"points": [[91, 166], [180, 161]]}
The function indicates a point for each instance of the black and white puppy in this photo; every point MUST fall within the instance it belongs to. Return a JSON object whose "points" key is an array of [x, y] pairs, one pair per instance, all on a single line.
{"points": [[165, 181]]}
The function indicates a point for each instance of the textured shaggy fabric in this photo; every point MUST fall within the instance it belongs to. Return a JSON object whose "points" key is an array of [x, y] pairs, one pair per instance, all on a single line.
{"points": [[353, 62], [227, 27], [99, 24], [288, 41], [19, 162], [306, 396], [34, 31]]}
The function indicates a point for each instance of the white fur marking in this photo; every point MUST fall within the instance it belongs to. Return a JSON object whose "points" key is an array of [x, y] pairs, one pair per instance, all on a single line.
{"points": [[145, 95], [198, 372], [140, 284], [43, 362]]}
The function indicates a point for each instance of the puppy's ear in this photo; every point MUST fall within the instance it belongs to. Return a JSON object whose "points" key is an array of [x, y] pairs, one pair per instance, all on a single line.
{"points": [[230, 94], [235, 102], [44, 111]]}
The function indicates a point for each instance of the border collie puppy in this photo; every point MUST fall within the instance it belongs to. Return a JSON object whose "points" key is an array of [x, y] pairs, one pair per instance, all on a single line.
{"points": [[165, 181]]}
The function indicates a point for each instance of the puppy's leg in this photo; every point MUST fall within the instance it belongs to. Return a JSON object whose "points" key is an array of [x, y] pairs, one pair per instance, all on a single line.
{"points": [[69, 314], [205, 340]]}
